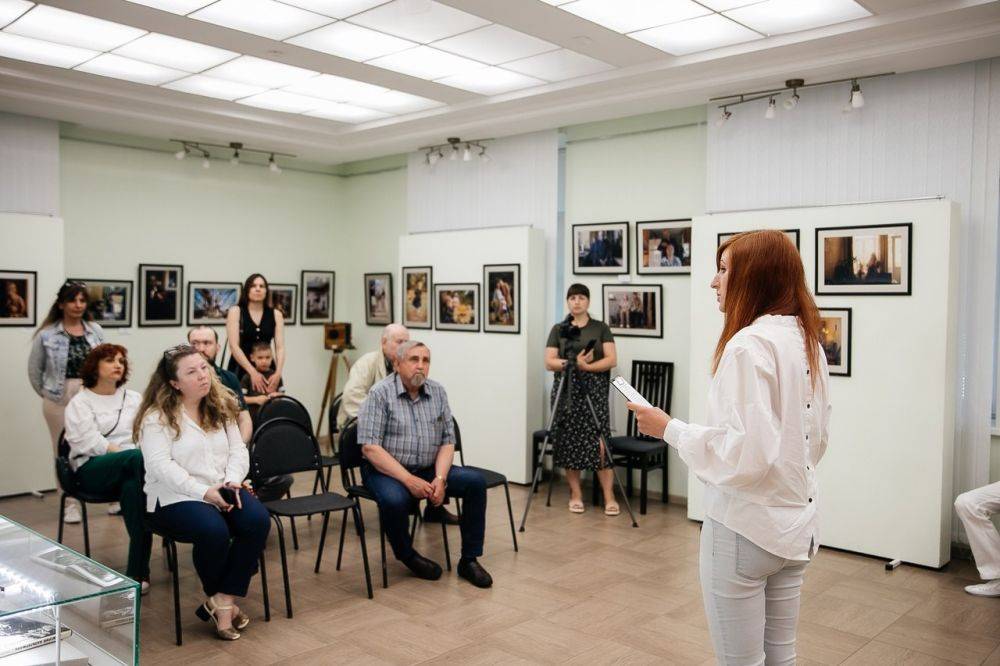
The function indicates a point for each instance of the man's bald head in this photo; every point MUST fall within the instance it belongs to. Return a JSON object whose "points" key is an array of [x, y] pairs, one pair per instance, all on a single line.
{"points": [[393, 335]]}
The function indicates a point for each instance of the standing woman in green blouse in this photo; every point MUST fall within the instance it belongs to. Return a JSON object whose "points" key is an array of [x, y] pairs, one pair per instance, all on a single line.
{"points": [[577, 441]]}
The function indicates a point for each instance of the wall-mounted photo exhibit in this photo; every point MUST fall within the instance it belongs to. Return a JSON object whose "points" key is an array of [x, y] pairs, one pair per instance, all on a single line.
{"points": [[502, 283], [600, 249], [285, 298], [418, 306], [208, 302], [633, 310], [864, 261], [793, 235], [835, 337], [663, 247], [317, 299], [18, 292], [109, 302], [378, 299], [161, 302], [457, 306]]}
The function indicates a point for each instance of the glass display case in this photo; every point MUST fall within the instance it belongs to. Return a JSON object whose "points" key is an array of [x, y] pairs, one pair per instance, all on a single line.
{"points": [[59, 607]]}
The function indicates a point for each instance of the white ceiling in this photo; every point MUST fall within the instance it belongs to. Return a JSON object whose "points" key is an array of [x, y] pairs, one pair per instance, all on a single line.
{"points": [[339, 80]]}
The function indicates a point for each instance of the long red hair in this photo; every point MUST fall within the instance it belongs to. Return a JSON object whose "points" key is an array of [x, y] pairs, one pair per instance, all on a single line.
{"points": [[766, 277]]}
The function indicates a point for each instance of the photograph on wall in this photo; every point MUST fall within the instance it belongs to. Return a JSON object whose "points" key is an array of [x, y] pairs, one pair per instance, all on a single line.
{"points": [[109, 302], [17, 298], [793, 235], [208, 302], [663, 247], [864, 261], [456, 307], [161, 301], [600, 248], [634, 310], [835, 338], [378, 299], [284, 298], [417, 303], [502, 283], [317, 299]]}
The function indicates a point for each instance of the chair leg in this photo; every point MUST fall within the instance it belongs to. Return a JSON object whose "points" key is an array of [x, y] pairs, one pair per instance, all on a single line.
{"points": [[316, 481], [595, 486], [413, 527], [629, 484], [552, 480], [295, 536], [458, 507], [666, 481], [175, 576], [510, 515], [322, 540], [642, 485], [381, 536], [284, 566], [329, 477], [86, 529], [343, 530], [263, 588], [62, 514], [447, 551], [356, 511]]}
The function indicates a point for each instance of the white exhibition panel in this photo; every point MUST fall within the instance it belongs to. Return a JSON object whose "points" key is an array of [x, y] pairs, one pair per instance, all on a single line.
{"points": [[494, 380], [886, 480]]}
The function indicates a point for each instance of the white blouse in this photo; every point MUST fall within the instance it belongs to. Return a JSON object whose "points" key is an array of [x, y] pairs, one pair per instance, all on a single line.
{"points": [[93, 421], [183, 468], [767, 429]]}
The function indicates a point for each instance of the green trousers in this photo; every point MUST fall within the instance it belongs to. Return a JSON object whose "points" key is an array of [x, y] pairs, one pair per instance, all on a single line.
{"points": [[122, 475]]}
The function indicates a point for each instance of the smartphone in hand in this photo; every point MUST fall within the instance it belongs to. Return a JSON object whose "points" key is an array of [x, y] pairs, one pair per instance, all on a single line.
{"points": [[228, 494]]}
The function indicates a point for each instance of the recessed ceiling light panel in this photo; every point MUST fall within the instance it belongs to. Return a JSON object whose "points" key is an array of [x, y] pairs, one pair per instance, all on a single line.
{"points": [[44, 53], [346, 113], [334, 88], [558, 65], [491, 81], [259, 72], [425, 62], [266, 18], [176, 53], [52, 24], [279, 100], [494, 44], [11, 9], [212, 87], [117, 67], [422, 21], [335, 8], [776, 17], [631, 15], [181, 7], [351, 41], [699, 34]]}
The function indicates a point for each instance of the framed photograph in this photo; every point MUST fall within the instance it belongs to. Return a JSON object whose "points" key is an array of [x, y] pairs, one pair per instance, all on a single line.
{"points": [[864, 261], [633, 310], [663, 247], [18, 294], [418, 306], [285, 298], [600, 249], [109, 302], [456, 306], [835, 337], [378, 299], [208, 302], [317, 300], [793, 235], [502, 312], [161, 303]]}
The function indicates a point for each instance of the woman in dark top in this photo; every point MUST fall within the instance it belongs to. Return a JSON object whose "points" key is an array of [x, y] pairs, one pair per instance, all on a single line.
{"points": [[578, 443], [253, 320]]}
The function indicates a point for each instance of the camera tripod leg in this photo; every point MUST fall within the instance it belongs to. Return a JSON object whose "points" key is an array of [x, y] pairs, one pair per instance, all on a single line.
{"points": [[614, 472], [541, 455]]}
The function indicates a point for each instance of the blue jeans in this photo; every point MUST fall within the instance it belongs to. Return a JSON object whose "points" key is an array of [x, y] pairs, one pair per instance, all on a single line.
{"points": [[227, 546], [395, 502]]}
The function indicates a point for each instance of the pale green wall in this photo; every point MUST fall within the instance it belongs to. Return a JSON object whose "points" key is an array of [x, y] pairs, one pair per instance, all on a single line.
{"points": [[995, 459]]}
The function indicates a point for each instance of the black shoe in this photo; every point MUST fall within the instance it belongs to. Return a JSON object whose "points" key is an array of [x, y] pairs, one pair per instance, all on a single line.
{"points": [[439, 514], [473, 571], [422, 567]]}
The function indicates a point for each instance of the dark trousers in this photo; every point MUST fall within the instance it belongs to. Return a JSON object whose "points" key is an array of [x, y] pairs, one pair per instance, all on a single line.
{"points": [[395, 503], [121, 475], [227, 546]]}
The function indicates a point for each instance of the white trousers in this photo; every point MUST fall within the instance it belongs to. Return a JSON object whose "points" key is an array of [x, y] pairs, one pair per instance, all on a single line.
{"points": [[751, 598], [975, 508]]}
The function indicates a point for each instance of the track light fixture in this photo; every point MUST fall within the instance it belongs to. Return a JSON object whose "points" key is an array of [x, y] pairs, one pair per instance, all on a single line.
{"points": [[206, 160], [455, 148], [771, 106], [239, 151], [272, 165], [726, 115], [182, 153], [855, 101], [235, 159]]}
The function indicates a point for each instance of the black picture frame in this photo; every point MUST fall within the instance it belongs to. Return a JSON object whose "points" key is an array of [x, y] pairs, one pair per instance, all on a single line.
{"points": [[382, 319], [96, 293], [723, 235], [625, 331], [291, 316], [905, 287], [842, 369], [515, 271], [678, 223], [304, 293], [440, 312], [404, 273], [30, 296], [192, 301], [146, 297], [578, 269]]}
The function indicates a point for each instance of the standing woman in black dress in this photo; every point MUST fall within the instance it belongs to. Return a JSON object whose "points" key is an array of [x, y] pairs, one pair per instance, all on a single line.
{"points": [[254, 320]]}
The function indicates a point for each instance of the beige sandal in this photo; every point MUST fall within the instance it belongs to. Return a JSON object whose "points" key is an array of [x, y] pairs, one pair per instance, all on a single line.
{"points": [[209, 611], [576, 507], [612, 509]]}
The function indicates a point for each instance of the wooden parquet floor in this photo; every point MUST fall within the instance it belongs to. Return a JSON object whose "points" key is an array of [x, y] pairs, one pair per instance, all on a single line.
{"points": [[584, 589]]}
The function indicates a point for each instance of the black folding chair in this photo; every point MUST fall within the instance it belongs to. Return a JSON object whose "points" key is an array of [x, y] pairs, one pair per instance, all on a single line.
{"points": [[493, 479], [285, 406], [655, 381], [331, 461], [350, 461], [71, 489], [283, 446]]}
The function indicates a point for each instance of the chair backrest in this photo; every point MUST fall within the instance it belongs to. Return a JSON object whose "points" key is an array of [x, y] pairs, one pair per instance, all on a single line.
{"points": [[458, 441], [64, 473], [332, 414], [284, 406], [655, 381], [283, 446], [350, 454]]}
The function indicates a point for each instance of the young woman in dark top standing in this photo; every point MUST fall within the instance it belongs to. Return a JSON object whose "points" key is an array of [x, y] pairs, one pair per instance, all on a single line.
{"points": [[254, 320]]}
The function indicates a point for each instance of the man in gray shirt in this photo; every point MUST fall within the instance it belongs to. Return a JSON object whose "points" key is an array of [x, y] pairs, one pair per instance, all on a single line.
{"points": [[407, 437]]}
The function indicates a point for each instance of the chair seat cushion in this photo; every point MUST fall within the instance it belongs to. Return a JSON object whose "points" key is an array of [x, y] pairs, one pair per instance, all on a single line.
{"points": [[360, 491], [493, 479], [309, 504], [92, 498], [636, 446]]}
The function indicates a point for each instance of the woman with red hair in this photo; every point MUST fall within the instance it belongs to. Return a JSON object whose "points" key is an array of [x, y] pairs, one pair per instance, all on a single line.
{"points": [[766, 429]]}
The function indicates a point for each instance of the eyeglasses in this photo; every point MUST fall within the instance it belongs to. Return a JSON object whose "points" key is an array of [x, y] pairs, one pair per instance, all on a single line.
{"points": [[73, 283], [177, 350]]}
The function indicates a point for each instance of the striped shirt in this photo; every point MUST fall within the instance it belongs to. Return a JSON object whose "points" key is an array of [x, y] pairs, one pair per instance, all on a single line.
{"points": [[410, 429]]}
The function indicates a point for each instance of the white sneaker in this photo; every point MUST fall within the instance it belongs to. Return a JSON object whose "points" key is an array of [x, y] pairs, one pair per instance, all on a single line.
{"points": [[72, 514], [990, 588], [114, 509]]}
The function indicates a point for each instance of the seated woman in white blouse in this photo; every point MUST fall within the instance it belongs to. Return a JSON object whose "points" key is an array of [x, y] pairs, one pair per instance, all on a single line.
{"points": [[99, 422], [766, 430], [196, 464]]}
